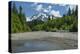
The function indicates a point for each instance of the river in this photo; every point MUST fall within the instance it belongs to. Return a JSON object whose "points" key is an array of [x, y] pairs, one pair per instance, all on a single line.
{"points": [[43, 41]]}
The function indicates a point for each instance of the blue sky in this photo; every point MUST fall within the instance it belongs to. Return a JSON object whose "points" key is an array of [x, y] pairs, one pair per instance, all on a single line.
{"points": [[32, 8]]}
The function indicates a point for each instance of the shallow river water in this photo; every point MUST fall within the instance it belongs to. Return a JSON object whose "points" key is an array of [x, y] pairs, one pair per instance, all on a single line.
{"points": [[44, 43]]}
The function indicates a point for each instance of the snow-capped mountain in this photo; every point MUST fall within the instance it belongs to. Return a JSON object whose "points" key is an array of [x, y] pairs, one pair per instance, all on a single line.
{"points": [[42, 17]]}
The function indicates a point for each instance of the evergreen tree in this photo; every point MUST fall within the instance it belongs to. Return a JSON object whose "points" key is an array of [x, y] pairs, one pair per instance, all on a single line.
{"points": [[20, 14], [20, 10], [18, 20], [73, 12], [69, 12], [67, 22], [14, 9], [52, 17], [49, 17], [76, 11]]}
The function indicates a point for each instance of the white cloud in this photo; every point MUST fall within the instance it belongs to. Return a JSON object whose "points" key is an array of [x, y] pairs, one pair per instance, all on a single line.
{"points": [[39, 7], [45, 10], [34, 4], [55, 13], [50, 7]]}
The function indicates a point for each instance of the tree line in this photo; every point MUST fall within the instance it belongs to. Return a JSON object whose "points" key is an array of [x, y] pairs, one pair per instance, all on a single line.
{"points": [[18, 20], [69, 22]]}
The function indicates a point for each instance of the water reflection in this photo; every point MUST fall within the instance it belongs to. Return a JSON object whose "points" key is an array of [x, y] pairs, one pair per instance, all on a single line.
{"points": [[38, 46]]}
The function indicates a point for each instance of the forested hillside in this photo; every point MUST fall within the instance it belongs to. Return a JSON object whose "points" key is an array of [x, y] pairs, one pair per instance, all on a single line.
{"points": [[18, 20], [69, 22]]}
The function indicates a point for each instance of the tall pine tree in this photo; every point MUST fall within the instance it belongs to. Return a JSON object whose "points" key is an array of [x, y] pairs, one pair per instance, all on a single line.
{"points": [[14, 9], [69, 12]]}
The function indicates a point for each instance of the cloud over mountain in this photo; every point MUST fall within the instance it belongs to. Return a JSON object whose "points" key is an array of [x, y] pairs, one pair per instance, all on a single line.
{"points": [[55, 13], [57, 10], [39, 7], [48, 10]]}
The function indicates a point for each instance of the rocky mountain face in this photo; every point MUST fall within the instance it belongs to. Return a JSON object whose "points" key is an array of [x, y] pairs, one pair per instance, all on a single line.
{"points": [[42, 17]]}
